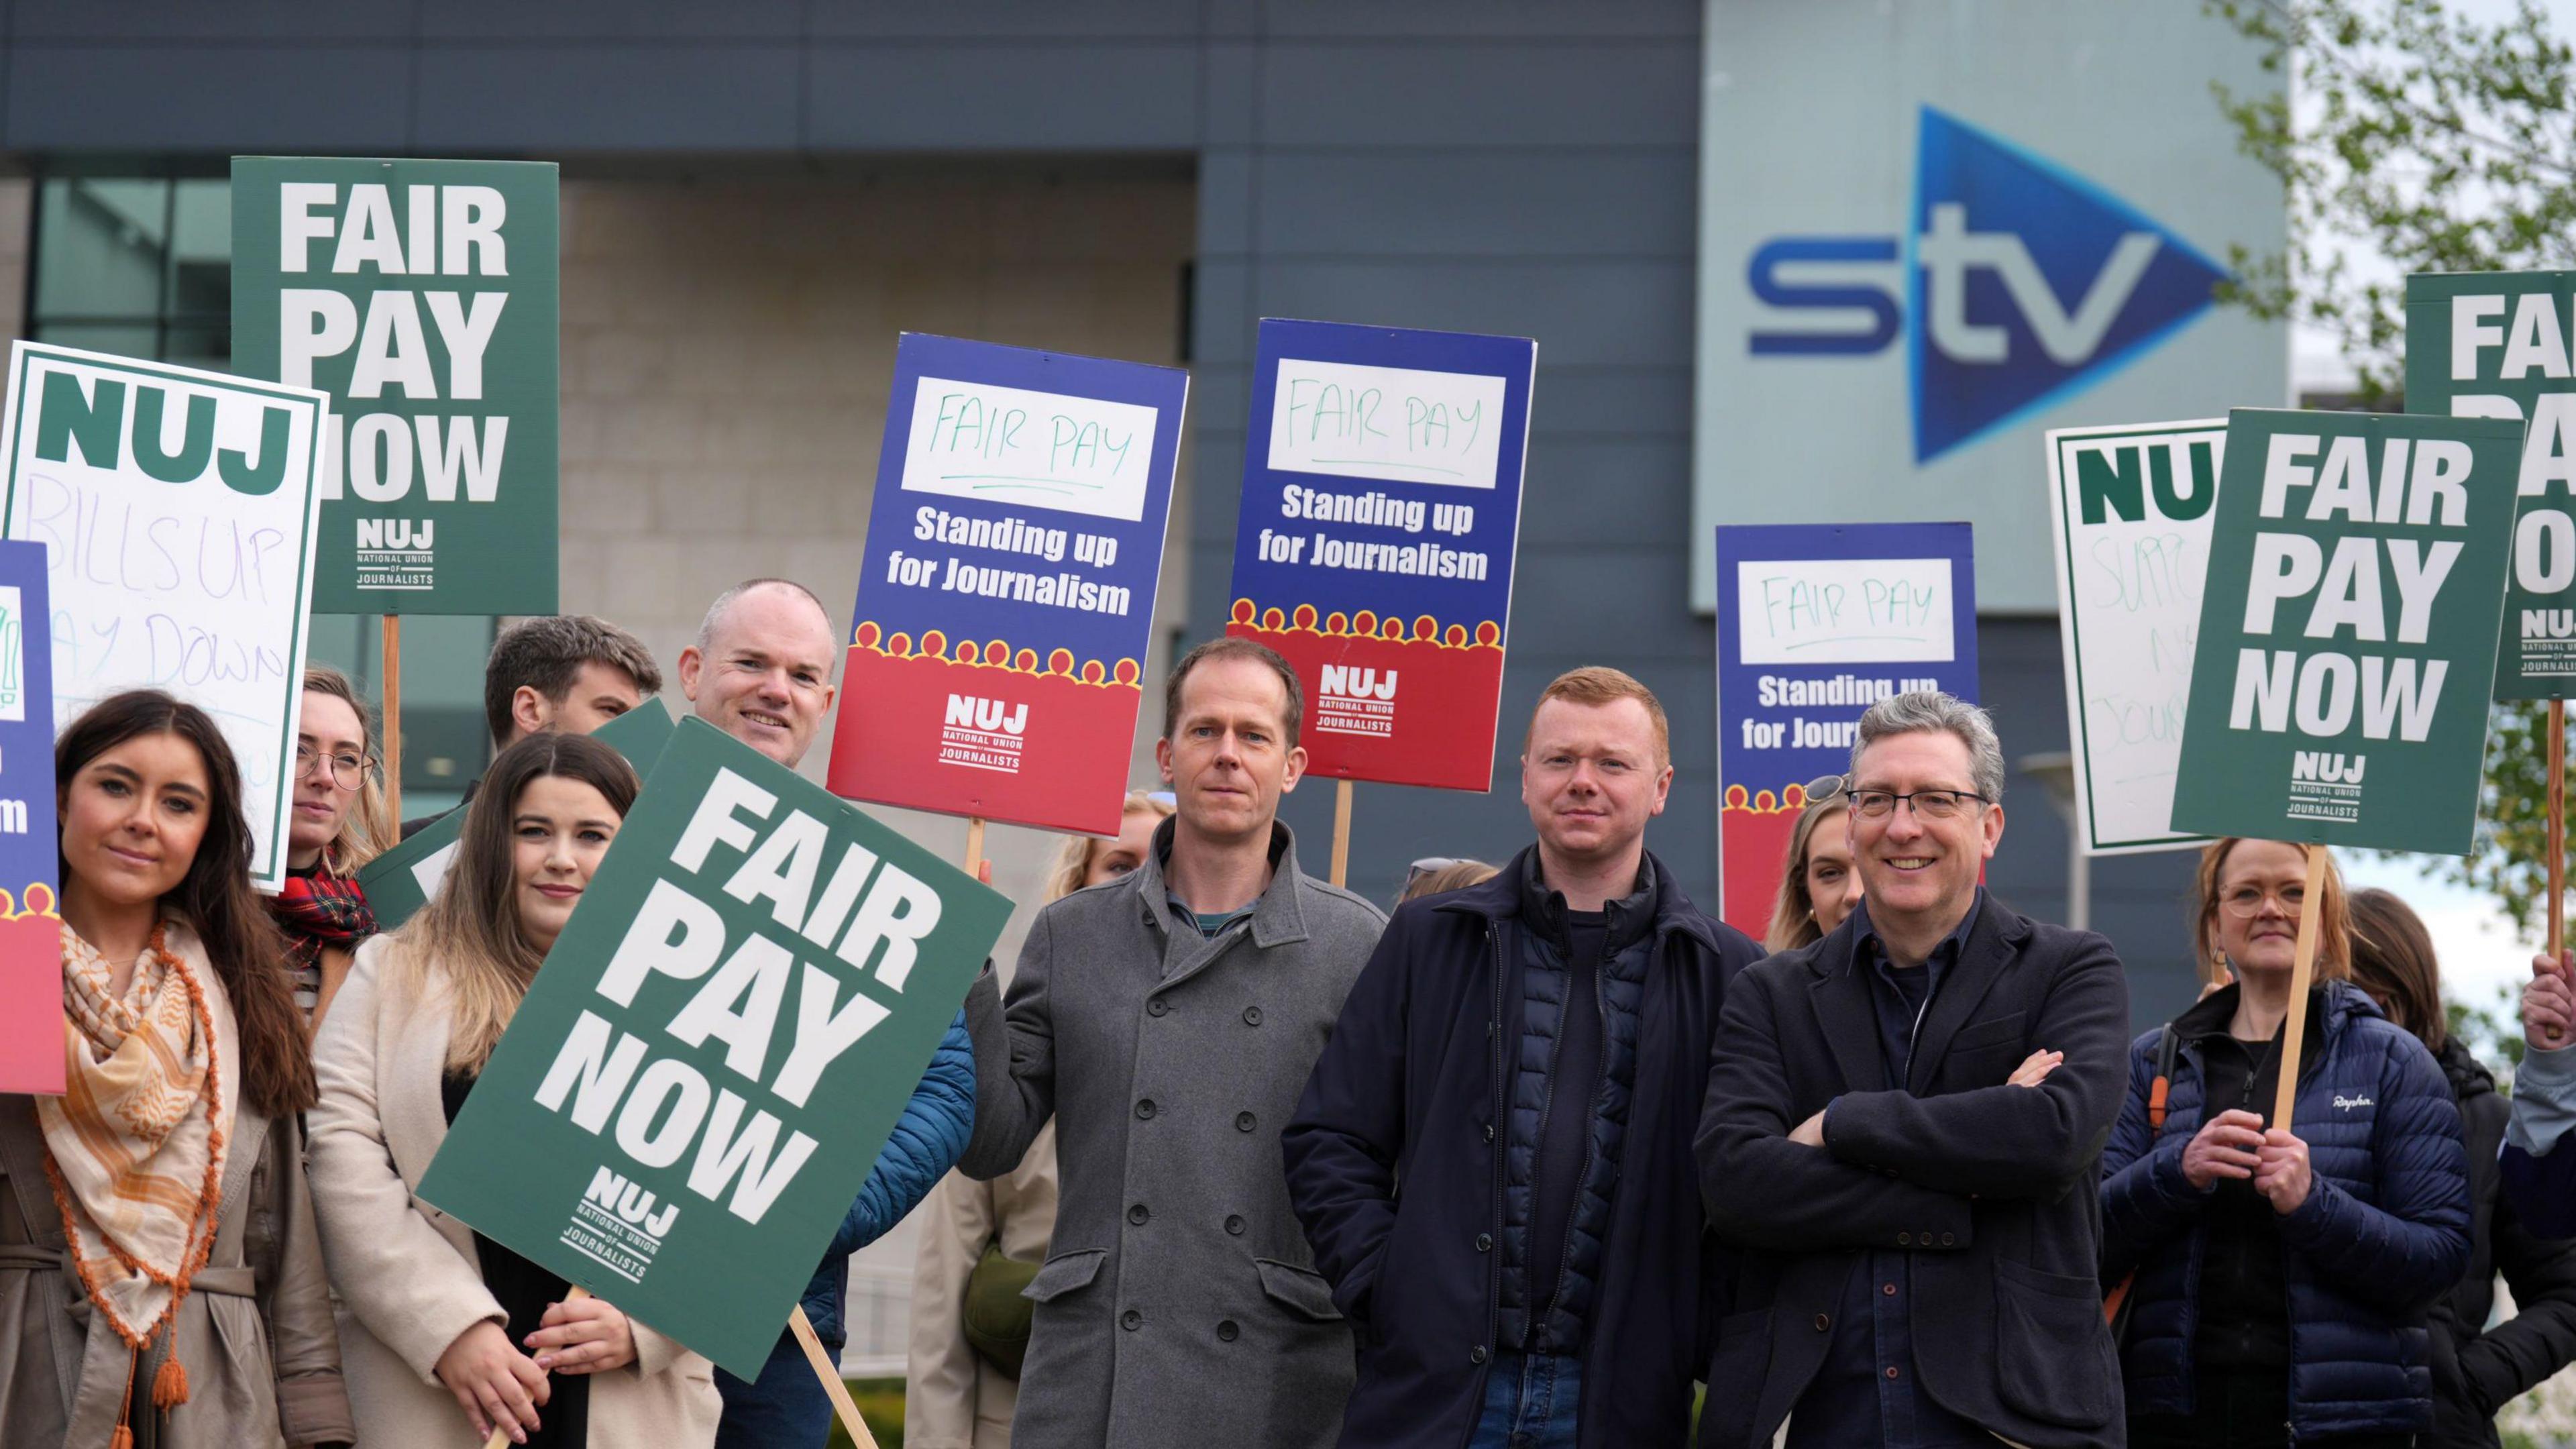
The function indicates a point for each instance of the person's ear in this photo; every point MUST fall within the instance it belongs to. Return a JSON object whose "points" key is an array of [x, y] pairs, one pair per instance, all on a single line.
{"points": [[691, 662], [530, 713], [1295, 771], [1163, 759]]}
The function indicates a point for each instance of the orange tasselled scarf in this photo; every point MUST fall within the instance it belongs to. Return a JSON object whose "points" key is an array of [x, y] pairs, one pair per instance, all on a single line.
{"points": [[135, 1145]]}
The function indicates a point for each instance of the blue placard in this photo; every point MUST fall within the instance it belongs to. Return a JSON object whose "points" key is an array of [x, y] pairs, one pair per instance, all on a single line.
{"points": [[1815, 623], [1380, 514], [1006, 594], [31, 973]]}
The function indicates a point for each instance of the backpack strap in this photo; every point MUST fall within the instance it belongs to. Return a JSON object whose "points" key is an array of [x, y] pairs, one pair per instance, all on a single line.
{"points": [[2167, 1045]]}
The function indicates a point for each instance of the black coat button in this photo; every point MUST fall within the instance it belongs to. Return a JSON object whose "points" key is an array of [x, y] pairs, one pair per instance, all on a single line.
{"points": [[1489, 1131], [1243, 1122], [1948, 1240], [1252, 1016], [1484, 1242], [1234, 1224], [1131, 1320], [1137, 1215], [1905, 1240], [1476, 1354], [1823, 1322], [1157, 1007], [1227, 1331], [1145, 1110]]}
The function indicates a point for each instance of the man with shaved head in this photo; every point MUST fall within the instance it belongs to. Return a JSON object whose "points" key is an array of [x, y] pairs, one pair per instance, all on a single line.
{"points": [[761, 669]]}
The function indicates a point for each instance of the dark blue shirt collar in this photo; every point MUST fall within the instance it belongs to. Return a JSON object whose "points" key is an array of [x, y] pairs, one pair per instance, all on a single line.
{"points": [[1870, 948]]}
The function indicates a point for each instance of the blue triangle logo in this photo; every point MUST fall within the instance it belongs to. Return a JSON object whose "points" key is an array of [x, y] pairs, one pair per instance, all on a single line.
{"points": [[2027, 284]]}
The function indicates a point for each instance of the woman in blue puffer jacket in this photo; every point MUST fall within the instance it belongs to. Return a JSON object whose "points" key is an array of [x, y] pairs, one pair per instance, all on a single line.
{"points": [[2282, 1276]]}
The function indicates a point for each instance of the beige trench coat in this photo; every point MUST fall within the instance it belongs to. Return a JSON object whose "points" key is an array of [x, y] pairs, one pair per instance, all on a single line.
{"points": [[255, 1333], [953, 1398], [407, 1273]]}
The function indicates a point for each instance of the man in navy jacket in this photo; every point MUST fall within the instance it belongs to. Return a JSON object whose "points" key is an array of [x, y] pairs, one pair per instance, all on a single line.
{"points": [[1904, 1131], [1527, 1058]]}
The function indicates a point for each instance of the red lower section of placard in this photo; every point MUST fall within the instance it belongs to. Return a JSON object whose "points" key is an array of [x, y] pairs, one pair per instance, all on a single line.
{"points": [[931, 733], [31, 1004], [1752, 844], [1407, 712]]}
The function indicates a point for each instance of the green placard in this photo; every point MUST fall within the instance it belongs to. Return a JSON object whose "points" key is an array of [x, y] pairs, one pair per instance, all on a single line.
{"points": [[401, 881], [687, 1101], [2348, 625], [421, 295], [2496, 345]]}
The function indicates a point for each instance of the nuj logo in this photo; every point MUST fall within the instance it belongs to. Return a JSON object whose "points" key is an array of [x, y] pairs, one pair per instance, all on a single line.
{"points": [[2326, 769], [992, 716], [2549, 623], [1343, 681], [395, 532], [631, 1202]]}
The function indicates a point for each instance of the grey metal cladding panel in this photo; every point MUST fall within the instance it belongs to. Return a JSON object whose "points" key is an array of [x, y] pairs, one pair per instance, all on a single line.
{"points": [[176, 99], [168, 20], [1481, 94], [616, 20], [1621, 601], [1619, 312], [1005, 19], [1464, 19], [1612, 492], [1479, 203], [537, 100], [1080, 96], [1570, 399]]}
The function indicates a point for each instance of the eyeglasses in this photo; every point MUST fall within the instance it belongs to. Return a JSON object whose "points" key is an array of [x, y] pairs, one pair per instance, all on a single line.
{"points": [[1928, 804], [346, 770], [2246, 901]]}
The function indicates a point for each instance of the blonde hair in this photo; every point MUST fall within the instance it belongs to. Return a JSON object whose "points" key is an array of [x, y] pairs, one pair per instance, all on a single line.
{"points": [[2334, 918], [1597, 685], [366, 828], [1793, 911], [1457, 875], [1073, 855], [469, 935]]}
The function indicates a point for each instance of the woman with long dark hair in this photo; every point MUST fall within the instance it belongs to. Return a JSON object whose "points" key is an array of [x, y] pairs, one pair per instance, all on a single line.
{"points": [[165, 1188], [448, 1333], [2476, 1369], [2283, 1269]]}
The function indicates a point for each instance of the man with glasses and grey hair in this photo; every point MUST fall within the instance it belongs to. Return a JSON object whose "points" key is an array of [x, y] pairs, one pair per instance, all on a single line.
{"points": [[1903, 1134]]}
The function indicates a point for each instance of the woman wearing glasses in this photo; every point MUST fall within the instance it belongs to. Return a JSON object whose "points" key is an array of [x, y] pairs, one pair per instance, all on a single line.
{"points": [[2283, 1270], [338, 825]]}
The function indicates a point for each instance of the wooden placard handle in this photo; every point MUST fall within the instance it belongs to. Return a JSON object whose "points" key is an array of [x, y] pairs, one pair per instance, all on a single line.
{"points": [[1341, 832], [2557, 828], [830, 1374], [393, 718], [975, 847], [2294, 1029]]}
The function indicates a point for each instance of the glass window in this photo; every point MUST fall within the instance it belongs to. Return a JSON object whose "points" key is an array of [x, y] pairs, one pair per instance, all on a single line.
{"points": [[143, 266]]}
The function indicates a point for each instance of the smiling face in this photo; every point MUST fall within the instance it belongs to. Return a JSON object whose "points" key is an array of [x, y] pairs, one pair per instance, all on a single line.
{"points": [[2260, 888], [131, 821], [559, 828], [1916, 870], [1592, 777], [1833, 887], [1228, 760], [765, 676], [329, 736]]}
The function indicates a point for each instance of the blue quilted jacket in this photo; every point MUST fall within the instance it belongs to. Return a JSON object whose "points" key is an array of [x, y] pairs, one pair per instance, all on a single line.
{"points": [[926, 1141], [2384, 1231]]}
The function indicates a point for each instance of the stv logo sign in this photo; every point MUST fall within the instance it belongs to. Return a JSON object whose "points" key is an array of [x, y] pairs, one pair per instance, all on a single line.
{"points": [[2025, 284]]}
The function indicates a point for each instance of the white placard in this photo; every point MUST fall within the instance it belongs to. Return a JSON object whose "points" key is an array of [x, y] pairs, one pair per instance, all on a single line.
{"points": [[1395, 424], [2130, 508], [1032, 449], [178, 510], [1844, 611]]}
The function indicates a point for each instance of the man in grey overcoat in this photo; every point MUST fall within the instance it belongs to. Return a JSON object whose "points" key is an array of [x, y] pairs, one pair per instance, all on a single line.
{"points": [[1168, 1021]]}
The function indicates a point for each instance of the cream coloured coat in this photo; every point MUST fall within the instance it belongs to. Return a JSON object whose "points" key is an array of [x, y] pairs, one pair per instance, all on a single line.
{"points": [[408, 1276], [953, 1398]]}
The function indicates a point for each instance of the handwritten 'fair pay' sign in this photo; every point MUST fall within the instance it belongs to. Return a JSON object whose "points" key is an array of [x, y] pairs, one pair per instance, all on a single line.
{"points": [[2131, 508], [1007, 591], [1816, 623], [1381, 511], [178, 506]]}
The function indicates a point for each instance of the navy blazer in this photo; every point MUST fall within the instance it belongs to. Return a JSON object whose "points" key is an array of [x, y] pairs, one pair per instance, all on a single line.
{"points": [[1993, 1188]]}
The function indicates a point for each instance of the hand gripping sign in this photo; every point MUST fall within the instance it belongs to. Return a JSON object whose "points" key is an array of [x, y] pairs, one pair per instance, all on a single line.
{"points": [[717, 1047]]}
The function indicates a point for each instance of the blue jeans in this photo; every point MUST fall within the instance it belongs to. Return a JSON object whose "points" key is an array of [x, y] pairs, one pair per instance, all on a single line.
{"points": [[785, 1408], [1530, 1402]]}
